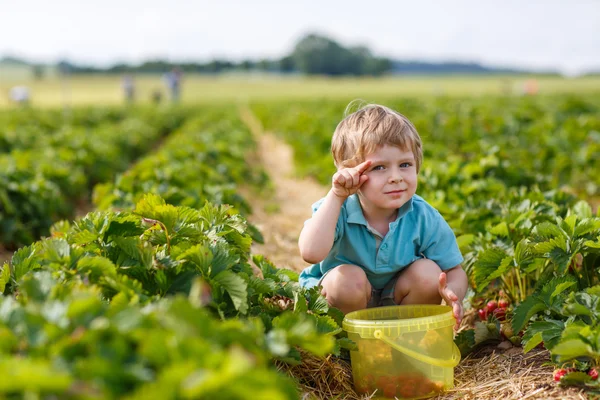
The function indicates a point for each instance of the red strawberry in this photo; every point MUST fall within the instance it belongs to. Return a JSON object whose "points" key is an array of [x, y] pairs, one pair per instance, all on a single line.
{"points": [[389, 390], [492, 305], [559, 373], [500, 314], [593, 373], [482, 314], [503, 303]]}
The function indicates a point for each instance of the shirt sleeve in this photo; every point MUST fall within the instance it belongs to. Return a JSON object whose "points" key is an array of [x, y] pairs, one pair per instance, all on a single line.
{"points": [[440, 244]]}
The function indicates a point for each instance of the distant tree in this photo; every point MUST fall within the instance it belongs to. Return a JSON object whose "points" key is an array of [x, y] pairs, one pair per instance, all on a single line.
{"points": [[247, 65], [264, 65], [286, 64], [39, 72], [315, 54]]}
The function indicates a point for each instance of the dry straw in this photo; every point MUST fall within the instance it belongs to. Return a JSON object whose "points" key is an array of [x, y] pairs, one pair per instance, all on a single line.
{"points": [[487, 374]]}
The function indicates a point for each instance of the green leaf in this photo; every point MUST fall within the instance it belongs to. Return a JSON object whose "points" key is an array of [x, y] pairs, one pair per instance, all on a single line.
{"points": [[592, 244], [546, 231], [129, 245], [532, 342], [124, 226], [464, 241], [236, 287], [84, 237], [568, 224], [148, 204], [223, 259], [345, 343], [27, 375], [465, 340], [525, 310], [500, 230], [24, 260], [300, 303], [487, 266], [560, 288], [96, 267], [317, 303], [582, 209], [549, 332], [586, 226], [200, 256], [484, 270], [578, 309], [326, 325], [266, 267], [575, 378], [4, 277], [572, 348]]}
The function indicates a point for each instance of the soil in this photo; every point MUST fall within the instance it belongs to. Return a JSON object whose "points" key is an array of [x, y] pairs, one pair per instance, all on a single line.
{"points": [[281, 216]]}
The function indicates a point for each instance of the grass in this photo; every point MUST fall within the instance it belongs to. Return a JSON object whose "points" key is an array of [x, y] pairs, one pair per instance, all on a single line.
{"points": [[202, 89]]}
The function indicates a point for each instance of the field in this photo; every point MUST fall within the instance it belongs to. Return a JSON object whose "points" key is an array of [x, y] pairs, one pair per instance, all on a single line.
{"points": [[106, 90], [151, 251]]}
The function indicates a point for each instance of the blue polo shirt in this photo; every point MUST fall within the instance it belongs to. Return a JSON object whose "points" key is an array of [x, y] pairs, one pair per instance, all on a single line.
{"points": [[418, 232]]}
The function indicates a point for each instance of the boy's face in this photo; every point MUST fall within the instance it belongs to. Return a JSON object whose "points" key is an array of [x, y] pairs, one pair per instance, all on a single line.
{"points": [[392, 178]]}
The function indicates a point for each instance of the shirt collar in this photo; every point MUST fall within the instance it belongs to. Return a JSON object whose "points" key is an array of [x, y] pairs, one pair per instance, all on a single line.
{"points": [[356, 216]]}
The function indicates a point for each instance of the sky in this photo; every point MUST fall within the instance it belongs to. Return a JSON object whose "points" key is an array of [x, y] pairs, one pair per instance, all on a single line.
{"points": [[533, 34]]}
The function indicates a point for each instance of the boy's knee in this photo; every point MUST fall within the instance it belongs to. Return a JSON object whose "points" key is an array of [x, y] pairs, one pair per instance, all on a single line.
{"points": [[347, 287], [426, 272], [422, 279]]}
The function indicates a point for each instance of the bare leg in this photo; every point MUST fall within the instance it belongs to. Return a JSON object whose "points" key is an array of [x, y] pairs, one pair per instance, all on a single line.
{"points": [[346, 287], [418, 284]]}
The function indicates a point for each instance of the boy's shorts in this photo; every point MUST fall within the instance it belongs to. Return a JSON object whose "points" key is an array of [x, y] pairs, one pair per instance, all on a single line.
{"points": [[379, 297]]}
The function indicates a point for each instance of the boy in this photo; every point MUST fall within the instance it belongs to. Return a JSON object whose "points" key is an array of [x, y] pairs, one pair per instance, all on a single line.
{"points": [[372, 240]]}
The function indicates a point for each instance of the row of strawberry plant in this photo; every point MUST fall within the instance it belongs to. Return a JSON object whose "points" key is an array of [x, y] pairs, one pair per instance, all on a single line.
{"points": [[26, 128], [47, 179], [206, 160], [161, 300], [159, 250]]}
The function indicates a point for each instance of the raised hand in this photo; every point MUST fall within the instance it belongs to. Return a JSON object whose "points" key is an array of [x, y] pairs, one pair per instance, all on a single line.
{"points": [[451, 299], [347, 181]]}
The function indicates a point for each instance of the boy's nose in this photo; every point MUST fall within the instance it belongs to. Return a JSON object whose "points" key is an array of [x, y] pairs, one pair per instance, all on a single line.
{"points": [[395, 178]]}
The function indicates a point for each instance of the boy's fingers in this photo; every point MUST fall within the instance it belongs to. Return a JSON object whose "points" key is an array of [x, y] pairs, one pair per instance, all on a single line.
{"points": [[354, 177], [362, 167], [442, 281], [340, 180], [363, 179], [450, 294]]}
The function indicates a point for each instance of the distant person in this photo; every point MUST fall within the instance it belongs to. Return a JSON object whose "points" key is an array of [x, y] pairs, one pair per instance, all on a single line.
{"points": [[530, 87], [128, 85], [173, 82], [19, 95]]}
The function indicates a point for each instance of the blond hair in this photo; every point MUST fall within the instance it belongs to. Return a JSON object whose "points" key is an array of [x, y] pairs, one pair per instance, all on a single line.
{"points": [[370, 127]]}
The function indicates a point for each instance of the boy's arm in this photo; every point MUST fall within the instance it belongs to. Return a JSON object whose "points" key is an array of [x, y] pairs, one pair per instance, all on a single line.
{"points": [[318, 233], [457, 281]]}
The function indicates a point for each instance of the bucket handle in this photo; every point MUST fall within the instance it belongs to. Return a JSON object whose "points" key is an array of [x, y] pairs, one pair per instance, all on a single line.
{"points": [[450, 363]]}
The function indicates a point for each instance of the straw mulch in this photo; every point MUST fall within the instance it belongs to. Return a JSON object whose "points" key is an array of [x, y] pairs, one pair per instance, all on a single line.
{"points": [[490, 373]]}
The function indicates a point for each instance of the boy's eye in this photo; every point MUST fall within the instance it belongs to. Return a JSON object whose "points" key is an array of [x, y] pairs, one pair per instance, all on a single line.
{"points": [[377, 168], [405, 165]]}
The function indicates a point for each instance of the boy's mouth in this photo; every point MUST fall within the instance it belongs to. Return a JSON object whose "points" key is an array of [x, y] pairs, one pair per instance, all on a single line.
{"points": [[396, 191]]}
